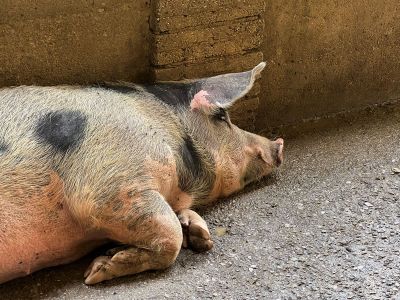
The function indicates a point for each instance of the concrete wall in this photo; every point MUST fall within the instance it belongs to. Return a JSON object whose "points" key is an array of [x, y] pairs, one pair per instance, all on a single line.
{"points": [[193, 39], [328, 56], [68, 41], [323, 56]]}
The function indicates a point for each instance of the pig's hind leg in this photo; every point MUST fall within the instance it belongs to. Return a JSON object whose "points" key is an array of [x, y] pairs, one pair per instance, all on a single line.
{"points": [[153, 236], [196, 235]]}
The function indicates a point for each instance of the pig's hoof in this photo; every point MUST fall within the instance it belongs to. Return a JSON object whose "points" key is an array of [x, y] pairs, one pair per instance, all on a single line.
{"points": [[99, 270], [195, 232], [197, 238]]}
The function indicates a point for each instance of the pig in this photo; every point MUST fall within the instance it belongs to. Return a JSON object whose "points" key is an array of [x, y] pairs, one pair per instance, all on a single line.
{"points": [[84, 165]]}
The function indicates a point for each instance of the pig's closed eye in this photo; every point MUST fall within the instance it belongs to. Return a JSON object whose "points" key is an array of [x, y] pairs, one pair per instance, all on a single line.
{"points": [[222, 118], [221, 115]]}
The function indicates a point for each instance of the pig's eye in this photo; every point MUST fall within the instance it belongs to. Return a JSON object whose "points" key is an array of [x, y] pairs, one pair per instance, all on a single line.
{"points": [[221, 115]]}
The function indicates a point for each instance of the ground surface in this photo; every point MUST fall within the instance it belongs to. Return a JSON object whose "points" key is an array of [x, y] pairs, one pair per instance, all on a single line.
{"points": [[325, 227]]}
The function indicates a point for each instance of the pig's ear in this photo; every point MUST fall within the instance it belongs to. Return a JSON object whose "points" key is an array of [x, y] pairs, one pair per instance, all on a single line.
{"points": [[224, 90]]}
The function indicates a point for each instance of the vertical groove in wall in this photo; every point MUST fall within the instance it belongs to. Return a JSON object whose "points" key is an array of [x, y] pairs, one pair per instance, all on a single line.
{"points": [[192, 39]]}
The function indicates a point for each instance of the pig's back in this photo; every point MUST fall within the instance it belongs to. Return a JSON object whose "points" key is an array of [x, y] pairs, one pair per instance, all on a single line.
{"points": [[23, 108], [105, 137]]}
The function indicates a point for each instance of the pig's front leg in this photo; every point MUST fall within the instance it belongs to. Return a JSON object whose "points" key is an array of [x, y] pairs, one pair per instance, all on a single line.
{"points": [[196, 235], [149, 228]]}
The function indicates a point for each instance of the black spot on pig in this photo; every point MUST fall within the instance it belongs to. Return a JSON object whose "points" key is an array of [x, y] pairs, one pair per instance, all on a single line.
{"points": [[119, 88], [198, 169], [63, 130], [3, 146], [190, 157], [174, 94]]}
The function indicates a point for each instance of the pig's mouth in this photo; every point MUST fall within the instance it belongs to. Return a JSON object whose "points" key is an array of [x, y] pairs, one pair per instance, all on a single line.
{"points": [[264, 165], [279, 152], [256, 173], [279, 158]]}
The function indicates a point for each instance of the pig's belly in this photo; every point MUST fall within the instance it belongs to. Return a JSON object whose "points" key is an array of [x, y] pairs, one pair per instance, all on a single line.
{"points": [[34, 242]]}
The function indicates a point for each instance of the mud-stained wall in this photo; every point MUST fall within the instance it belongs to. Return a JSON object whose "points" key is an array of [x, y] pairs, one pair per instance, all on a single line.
{"points": [[193, 39], [323, 56], [67, 41], [328, 56]]}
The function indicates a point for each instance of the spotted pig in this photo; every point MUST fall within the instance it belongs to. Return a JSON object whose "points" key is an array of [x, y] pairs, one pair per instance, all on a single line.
{"points": [[80, 166]]}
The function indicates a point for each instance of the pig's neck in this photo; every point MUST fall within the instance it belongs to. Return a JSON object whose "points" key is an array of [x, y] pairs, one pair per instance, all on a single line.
{"points": [[227, 178], [196, 169], [205, 175]]}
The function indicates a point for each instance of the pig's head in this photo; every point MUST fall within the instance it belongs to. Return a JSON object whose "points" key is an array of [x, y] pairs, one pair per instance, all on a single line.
{"points": [[239, 157]]}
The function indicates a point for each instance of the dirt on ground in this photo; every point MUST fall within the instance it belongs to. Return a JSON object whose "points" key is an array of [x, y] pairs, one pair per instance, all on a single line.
{"points": [[326, 226]]}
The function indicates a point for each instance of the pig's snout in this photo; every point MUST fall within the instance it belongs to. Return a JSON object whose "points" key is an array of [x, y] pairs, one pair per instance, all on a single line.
{"points": [[278, 155]]}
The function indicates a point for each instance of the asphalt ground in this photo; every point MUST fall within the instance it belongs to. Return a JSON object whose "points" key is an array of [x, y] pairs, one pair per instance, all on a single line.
{"points": [[326, 226]]}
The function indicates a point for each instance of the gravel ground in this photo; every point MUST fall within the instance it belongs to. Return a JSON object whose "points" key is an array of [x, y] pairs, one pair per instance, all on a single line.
{"points": [[325, 227]]}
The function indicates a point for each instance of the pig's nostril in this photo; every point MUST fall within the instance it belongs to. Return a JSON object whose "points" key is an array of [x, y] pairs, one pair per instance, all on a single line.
{"points": [[279, 141]]}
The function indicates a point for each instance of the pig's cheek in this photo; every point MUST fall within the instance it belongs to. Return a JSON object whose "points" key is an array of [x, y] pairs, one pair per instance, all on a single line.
{"points": [[268, 170], [232, 182], [247, 162], [248, 151]]}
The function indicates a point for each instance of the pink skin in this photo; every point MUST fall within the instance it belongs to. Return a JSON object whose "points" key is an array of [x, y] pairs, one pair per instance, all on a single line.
{"points": [[200, 101], [73, 241], [53, 236], [58, 238], [232, 165]]}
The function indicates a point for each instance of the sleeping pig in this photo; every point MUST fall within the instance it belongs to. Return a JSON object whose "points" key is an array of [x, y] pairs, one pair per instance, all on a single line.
{"points": [[80, 166]]}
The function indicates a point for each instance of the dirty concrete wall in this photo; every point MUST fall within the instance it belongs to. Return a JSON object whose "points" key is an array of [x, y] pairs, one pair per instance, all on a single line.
{"points": [[193, 39], [323, 56], [53, 41], [328, 56], [67, 41]]}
